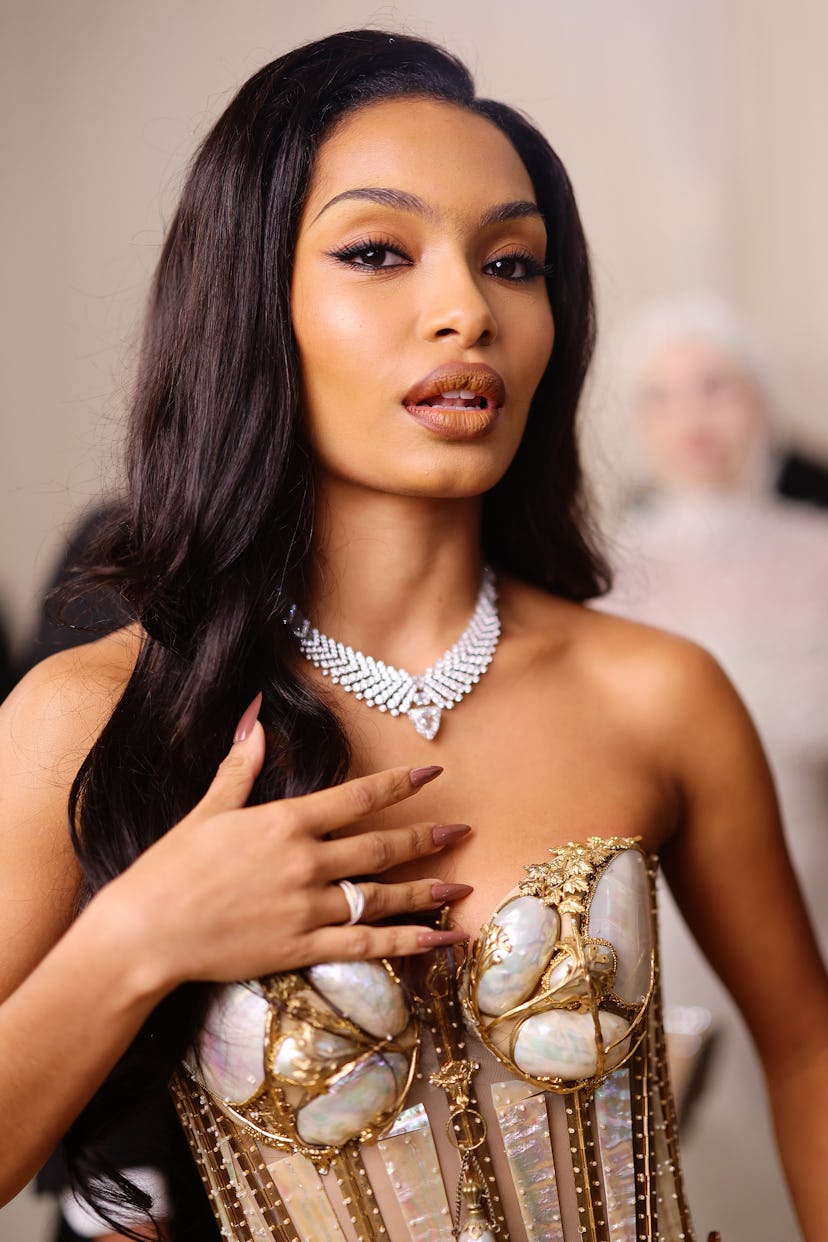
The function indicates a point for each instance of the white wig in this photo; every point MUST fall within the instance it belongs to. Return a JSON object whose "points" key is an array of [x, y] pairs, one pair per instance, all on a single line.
{"points": [[702, 317]]}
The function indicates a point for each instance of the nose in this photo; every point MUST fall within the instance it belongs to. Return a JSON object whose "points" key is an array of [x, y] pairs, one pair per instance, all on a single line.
{"points": [[455, 305]]}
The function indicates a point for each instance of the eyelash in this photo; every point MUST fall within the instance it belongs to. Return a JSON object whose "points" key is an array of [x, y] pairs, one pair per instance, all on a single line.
{"points": [[347, 254]]}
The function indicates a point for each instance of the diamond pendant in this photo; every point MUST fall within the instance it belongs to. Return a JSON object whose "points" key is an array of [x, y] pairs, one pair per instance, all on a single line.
{"points": [[426, 720], [380, 685]]}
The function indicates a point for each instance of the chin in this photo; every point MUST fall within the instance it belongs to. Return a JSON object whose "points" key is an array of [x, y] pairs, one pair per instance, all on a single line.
{"points": [[455, 481], [452, 473]]}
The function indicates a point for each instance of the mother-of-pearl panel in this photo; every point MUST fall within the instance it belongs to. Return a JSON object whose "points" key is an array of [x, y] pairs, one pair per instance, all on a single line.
{"points": [[524, 1126], [410, 1159], [532, 930], [620, 913], [614, 1123], [304, 1197], [232, 1043], [241, 1189]]}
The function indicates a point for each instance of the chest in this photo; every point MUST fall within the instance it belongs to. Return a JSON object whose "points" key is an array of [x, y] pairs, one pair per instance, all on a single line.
{"points": [[529, 766]]}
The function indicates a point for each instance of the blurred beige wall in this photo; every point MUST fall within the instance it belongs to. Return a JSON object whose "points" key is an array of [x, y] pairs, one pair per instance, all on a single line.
{"points": [[694, 131]]}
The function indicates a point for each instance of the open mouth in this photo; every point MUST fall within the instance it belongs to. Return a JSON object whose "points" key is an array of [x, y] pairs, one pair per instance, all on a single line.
{"points": [[458, 400], [458, 386], [461, 399]]}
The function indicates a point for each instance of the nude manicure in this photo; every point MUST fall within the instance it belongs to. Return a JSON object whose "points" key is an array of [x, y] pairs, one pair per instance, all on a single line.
{"points": [[248, 720], [450, 892], [449, 832], [421, 776]]}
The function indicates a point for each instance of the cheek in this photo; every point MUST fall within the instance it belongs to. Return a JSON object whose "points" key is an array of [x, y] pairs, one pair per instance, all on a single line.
{"points": [[741, 420], [334, 358], [540, 339], [658, 427], [528, 348], [328, 335]]}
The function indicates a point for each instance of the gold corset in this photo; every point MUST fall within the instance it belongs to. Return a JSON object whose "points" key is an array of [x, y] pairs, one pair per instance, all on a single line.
{"points": [[519, 1093]]}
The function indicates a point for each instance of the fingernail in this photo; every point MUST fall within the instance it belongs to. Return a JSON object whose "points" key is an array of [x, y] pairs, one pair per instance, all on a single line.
{"points": [[248, 720], [449, 832], [421, 776], [450, 892], [433, 939]]}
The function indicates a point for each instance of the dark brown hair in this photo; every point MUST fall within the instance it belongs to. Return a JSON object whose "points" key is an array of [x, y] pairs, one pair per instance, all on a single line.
{"points": [[217, 524]]}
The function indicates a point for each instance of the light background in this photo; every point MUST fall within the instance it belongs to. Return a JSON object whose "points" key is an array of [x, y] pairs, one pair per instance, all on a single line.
{"points": [[694, 132]]}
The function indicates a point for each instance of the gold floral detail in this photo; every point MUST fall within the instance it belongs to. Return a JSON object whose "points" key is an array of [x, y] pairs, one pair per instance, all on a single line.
{"points": [[565, 881], [455, 1079], [494, 944]]}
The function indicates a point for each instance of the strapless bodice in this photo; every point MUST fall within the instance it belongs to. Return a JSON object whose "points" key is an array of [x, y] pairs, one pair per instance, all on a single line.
{"points": [[516, 1090]]}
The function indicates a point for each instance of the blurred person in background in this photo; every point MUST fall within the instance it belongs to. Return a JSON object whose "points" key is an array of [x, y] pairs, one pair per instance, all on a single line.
{"points": [[712, 551]]}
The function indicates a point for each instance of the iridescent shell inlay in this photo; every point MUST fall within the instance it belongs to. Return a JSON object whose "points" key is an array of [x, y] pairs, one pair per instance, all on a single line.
{"points": [[530, 930], [231, 1048], [312, 1061], [558, 981], [620, 913]]}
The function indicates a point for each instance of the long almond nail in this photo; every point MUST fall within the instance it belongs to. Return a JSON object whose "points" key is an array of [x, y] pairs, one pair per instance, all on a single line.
{"points": [[434, 939], [449, 832], [248, 720], [421, 776], [450, 892]]}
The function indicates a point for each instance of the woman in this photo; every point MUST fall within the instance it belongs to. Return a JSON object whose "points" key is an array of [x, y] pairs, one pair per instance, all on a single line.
{"points": [[698, 555], [368, 333]]}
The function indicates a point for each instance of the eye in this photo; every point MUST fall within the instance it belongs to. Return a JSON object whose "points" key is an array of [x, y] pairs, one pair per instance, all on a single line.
{"points": [[517, 267], [371, 255]]}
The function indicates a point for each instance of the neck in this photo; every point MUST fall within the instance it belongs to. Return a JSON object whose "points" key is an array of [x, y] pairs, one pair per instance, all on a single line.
{"points": [[396, 577]]}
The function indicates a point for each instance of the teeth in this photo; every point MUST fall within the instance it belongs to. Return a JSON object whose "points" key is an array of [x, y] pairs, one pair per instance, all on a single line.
{"points": [[458, 393]]}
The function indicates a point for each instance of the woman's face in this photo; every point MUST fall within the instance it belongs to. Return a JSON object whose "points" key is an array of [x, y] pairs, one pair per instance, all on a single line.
{"points": [[701, 419], [418, 302]]}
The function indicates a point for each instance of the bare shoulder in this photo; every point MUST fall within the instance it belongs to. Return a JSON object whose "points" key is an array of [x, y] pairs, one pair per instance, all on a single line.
{"points": [[51, 719], [666, 689], [643, 663], [48, 724]]}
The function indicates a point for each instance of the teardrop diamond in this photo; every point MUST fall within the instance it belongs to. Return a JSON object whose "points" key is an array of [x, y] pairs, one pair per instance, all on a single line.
{"points": [[426, 720]]}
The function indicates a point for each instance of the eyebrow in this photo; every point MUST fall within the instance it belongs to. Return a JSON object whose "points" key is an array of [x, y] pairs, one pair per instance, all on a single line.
{"points": [[401, 200]]}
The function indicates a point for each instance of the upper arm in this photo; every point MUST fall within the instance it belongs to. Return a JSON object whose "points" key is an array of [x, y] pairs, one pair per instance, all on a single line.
{"points": [[47, 726], [728, 865]]}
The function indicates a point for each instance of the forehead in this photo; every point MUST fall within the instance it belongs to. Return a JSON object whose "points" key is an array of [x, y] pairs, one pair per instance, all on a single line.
{"points": [[418, 145], [689, 352]]}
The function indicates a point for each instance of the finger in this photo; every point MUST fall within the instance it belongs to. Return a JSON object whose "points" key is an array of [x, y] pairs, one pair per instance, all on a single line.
{"points": [[384, 901], [353, 800], [231, 786], [369, 853], [363, 942]]}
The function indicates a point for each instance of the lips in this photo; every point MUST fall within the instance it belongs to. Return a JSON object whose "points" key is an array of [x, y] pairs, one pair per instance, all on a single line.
{"points": [[470, 411], [479, 387]]}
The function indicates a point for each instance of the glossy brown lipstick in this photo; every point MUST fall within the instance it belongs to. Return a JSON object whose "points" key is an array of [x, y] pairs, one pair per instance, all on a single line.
{"points": [[458, 400]]}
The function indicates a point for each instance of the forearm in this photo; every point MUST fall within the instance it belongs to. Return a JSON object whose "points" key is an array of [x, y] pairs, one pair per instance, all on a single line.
{"points": [[799, 1097], [63, 1030]]}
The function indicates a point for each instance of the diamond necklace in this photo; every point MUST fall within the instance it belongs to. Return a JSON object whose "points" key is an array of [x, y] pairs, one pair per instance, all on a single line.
{"points": [[421, 698]]}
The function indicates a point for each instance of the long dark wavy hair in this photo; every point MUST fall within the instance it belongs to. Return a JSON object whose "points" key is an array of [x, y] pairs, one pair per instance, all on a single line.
{"points": [[216, 527]]}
